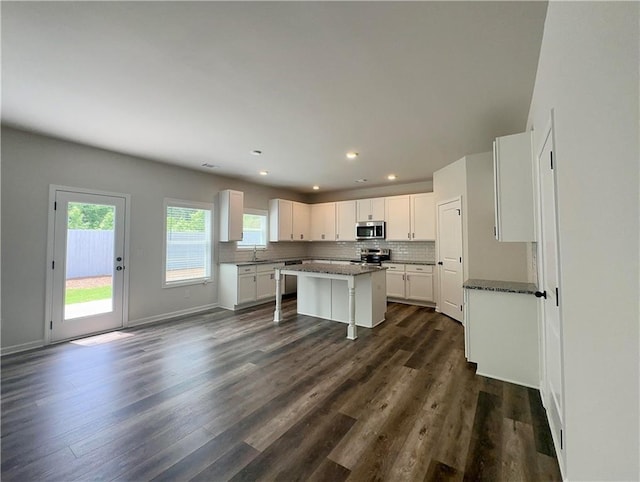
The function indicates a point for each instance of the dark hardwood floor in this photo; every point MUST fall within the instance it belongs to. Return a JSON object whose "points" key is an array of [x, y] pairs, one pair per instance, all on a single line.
{"points": [[231, 396]]}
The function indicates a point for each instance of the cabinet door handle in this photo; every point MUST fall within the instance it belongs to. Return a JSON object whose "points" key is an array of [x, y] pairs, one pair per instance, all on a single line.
{"points": [[402, 277], [409, 235], [414, 236]]}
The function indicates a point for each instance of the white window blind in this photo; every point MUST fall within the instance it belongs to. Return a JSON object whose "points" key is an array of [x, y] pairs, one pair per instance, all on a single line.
{"points": [[188, 242]]}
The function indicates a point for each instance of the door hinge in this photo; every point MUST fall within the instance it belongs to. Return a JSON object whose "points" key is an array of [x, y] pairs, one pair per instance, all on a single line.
{"points": [[53, 265], [51, 325], [551, 156], [557, 299]]}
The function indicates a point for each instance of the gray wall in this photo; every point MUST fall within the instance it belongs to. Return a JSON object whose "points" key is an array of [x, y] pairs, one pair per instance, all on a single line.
{"points": [[30, 163], [588, 73], [392, 189]]}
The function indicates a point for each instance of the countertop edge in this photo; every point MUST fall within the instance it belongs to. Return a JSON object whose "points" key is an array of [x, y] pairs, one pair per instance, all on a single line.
{"points": [[500, 286]]}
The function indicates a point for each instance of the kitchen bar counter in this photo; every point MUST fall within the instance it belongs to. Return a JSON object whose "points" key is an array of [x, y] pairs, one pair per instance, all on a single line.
{"points": [[352, 294]]}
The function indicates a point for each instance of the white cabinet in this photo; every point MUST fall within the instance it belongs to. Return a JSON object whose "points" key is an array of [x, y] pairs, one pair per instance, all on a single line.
{"points": [[513, 188], [419, 282], [370, 209], [395, 280], [301, 223], [411, 217], [346, 221], [247, 284], [280, 220], [508, 321], [323, 222], [231, 212], [423, 217], [411, 282], [398, 218], [288, 220]]}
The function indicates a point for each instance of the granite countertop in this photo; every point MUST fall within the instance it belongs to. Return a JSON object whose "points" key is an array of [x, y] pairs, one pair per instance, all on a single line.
{"points": [[283, 260], [503, 286], [341, 269]]}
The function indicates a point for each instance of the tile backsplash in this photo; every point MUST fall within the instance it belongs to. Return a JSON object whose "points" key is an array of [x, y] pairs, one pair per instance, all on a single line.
{"points": [[400, 250]]}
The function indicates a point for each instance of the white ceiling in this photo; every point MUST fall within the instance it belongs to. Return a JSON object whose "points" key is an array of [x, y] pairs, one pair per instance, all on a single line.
{"points": [[411, 86]]}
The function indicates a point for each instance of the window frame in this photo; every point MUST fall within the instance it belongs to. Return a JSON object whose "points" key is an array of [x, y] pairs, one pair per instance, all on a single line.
{"points": [[258, 247], [181, 203]]}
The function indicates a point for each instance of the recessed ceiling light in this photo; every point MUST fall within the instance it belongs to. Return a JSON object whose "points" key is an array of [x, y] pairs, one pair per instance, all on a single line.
{"points": [[352, 155], [315, 188], [361, 180], [264, 173], [256, 152], [391, 177], [210, 166]]}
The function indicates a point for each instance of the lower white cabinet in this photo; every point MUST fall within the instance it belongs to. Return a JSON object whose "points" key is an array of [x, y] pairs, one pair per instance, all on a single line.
{"points": [[501, 335], [243, 285], [410, 282]]}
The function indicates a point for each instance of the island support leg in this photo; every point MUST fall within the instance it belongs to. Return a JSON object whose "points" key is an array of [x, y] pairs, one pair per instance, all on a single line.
{"points": [[277, 315], [351, 329]]}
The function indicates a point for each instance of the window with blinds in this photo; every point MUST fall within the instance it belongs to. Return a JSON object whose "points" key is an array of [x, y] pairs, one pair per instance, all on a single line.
{"points": [[187, 242]]}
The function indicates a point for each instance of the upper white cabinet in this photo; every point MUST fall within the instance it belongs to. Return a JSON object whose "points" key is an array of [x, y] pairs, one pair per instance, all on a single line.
{"points": [[398, 218], [411, 217], [288, 220], [370, 209], [280, 220], [423, 217], [301, 221], [513, 188], [323, 222], [346, 221], [231, 212]]}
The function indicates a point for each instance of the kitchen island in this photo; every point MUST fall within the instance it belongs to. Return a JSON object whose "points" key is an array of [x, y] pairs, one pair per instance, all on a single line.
{"points": [[352, 294]]}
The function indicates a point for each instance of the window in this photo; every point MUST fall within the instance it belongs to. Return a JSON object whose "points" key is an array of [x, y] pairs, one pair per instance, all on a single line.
{"points": [[254, 229], [187, 250]]}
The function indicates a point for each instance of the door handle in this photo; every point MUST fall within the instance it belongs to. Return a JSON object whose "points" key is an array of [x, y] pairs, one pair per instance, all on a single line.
{"points": [[440, 263], [119, 258], [119, 268], [541, 294]]}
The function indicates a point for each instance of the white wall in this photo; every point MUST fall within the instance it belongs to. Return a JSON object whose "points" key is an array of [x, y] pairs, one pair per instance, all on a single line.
{"points": [[30, 163], [588, 73], [472, 178]]}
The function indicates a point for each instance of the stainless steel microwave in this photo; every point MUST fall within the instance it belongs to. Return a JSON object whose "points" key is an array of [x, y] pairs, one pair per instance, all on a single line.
{"points": [[370, 230]]}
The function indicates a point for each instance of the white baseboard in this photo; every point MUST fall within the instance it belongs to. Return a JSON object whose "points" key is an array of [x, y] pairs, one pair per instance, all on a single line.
{"points": [[507, 380], [168, 316], [8, 350]]}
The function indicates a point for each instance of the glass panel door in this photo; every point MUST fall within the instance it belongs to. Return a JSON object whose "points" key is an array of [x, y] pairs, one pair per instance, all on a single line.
{"points": [[88, 276]]}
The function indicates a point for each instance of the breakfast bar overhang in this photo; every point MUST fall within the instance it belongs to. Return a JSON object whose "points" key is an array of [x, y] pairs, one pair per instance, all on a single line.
{"points": [[352, 294]]}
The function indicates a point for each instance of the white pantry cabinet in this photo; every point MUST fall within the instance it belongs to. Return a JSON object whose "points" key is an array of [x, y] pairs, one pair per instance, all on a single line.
{"points": [[288, 220], [231, 213], [346, 221], [513, 188], [243, 285], [410, 282], [323, 222], [370, 209]]}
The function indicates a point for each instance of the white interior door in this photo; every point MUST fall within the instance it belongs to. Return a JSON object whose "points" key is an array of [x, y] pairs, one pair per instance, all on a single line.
{"points": [[450, 262], [549, 285], [88, 264]]}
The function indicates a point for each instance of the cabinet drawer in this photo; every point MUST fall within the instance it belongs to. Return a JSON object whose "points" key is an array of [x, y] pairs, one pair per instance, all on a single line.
{"points": [[419, 268], [246, 269], [393, 266]]}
